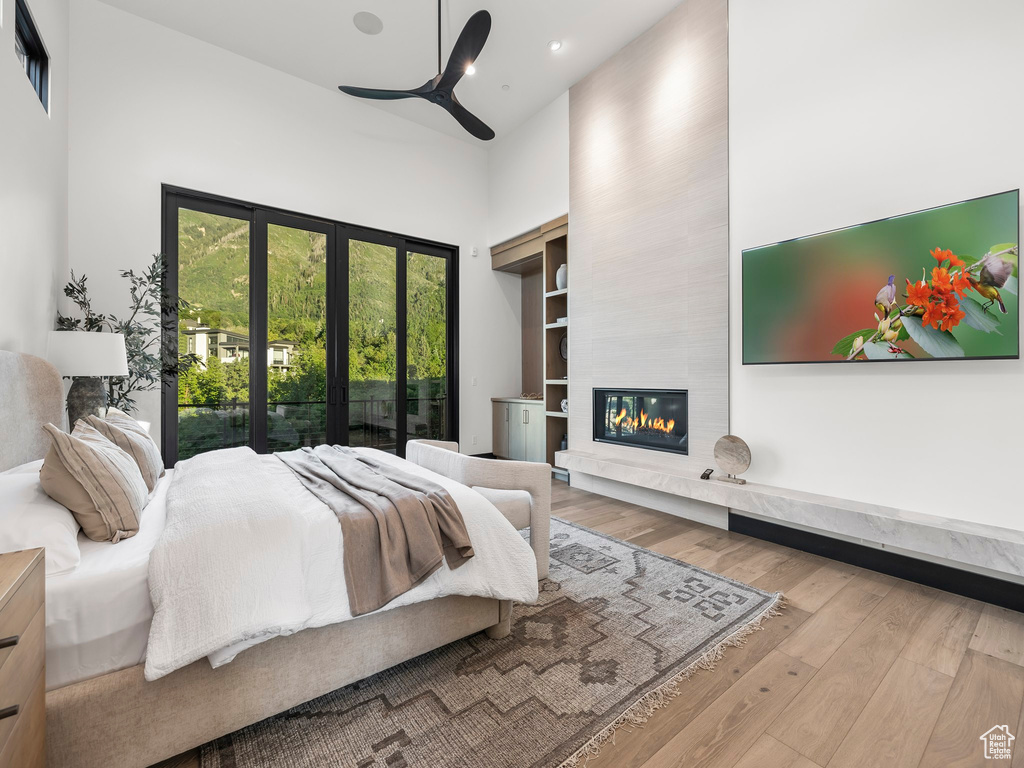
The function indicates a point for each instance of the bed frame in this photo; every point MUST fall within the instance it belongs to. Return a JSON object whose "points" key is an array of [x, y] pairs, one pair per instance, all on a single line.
{"points": [[120, 719]]}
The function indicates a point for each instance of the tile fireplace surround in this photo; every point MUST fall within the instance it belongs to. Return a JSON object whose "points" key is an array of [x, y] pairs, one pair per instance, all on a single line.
{"points": [[984, 548]]}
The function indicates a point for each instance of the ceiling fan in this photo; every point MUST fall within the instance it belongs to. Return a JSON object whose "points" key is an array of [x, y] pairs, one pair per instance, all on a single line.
{"points": [[440, 89]]}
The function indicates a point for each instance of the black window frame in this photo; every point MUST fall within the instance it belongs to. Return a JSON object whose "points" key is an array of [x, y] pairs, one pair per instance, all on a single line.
{"points": [[37, 62], [258, 216]]}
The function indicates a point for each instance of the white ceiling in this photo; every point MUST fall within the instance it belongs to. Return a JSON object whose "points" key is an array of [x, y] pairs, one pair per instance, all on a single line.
{"points": [[317, 41]]}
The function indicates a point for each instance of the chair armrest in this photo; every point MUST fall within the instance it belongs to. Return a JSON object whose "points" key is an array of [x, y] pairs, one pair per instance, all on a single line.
{"points": [[529, 476]]}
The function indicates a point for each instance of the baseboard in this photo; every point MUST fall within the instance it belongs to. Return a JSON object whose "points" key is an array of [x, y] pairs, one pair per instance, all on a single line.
{"points": [[973, 585]]}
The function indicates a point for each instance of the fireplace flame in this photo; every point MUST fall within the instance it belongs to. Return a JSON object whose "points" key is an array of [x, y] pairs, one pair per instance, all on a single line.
{"points": [[644, 422]]}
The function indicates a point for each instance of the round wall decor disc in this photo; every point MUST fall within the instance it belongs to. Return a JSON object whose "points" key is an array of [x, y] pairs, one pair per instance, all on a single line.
{"points": [[732, 455]]}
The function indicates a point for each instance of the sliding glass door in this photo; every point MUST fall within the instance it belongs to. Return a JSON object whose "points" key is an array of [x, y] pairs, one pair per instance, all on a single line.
{"points": [[298, 331], [213, 249], [294, 336], [427, 343]]}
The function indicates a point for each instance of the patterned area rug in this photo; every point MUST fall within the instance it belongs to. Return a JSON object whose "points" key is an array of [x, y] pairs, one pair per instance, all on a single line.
{"points": [[615, 631]]}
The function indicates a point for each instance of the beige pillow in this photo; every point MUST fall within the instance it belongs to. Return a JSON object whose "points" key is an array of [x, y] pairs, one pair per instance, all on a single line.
{"points": [[131, 437], [96, 480]]}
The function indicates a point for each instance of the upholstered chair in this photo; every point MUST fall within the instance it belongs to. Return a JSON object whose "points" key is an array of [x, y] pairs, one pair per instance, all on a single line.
{"points": [[521, 490]]}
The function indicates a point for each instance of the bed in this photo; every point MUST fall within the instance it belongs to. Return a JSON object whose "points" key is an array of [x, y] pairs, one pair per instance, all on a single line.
{"points": [[101, 710]]}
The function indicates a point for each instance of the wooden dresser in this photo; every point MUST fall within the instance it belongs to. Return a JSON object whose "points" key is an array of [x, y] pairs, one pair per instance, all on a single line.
{"points": [[22, 660]]}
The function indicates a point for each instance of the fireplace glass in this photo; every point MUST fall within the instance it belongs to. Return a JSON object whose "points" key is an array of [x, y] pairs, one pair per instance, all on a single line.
{"points": [[642, 418]]}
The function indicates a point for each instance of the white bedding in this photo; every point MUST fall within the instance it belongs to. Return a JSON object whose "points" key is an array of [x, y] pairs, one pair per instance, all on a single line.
{"points": [[270, 563], [98, 616]]}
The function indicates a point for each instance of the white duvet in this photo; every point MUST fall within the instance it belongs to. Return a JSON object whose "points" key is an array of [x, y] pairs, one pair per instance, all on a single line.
{"points": [[248, 554]]}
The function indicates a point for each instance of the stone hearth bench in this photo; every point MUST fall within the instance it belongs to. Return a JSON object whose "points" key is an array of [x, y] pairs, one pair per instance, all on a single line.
{"points": [[988, 549]]}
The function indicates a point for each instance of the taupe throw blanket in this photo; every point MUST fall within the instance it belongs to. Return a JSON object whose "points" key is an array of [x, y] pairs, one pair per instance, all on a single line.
{"points": [[396, 526]]}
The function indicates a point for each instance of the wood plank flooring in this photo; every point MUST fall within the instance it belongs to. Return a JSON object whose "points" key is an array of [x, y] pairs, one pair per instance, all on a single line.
{"points": [[861, 670]]}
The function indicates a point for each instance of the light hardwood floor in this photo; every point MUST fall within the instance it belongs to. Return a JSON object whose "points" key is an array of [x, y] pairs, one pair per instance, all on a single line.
{"points": [[860, 671]]}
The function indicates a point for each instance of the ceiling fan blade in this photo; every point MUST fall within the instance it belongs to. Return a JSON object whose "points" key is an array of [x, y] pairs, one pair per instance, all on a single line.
{"points": [[376, 93], [467, 49], [468, 120]]}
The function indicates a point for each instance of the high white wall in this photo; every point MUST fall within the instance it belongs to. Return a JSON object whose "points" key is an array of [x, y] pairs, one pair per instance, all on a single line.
{"points": [[844, 112], [33, 183], [151, 106], [528, 174]]}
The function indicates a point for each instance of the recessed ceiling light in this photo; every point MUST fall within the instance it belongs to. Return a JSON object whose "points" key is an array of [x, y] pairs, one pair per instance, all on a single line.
{"points": [[470, 70], [368, 23], [554, 45], [506, 87]]}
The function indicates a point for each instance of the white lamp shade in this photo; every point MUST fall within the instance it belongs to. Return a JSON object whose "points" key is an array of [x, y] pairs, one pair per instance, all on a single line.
{"points": [[86, 353]]}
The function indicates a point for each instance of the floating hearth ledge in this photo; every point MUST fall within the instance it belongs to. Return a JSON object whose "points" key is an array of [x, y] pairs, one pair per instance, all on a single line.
{"points": [[999, 551]]}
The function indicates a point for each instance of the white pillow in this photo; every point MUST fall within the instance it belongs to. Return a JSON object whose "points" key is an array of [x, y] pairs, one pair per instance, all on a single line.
{"points": [[32, 466], [29, 519]]}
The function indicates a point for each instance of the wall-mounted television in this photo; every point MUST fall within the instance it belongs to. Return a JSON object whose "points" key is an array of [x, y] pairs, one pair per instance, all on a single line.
{"points": [[936, 284]]}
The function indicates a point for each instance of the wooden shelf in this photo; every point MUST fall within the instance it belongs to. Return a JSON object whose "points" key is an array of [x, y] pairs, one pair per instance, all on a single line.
{"points": [[537, 256]]}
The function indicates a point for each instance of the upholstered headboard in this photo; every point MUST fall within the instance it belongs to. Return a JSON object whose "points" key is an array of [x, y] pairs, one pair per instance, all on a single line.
{"points": [[31, 394]]}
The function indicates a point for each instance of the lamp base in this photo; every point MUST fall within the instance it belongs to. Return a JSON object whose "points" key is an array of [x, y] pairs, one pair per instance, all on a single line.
{"points": [[87, 397]]}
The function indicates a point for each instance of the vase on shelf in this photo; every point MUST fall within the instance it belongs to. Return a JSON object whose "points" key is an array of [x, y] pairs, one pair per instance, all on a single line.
{"points": [[562, 277]]}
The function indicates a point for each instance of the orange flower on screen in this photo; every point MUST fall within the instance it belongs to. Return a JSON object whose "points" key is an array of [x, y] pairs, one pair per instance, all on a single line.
{"points": [[942, 282], [940, 255], [951, 313], [961, 282], [955, 261], [932, 314], [918, 294]]}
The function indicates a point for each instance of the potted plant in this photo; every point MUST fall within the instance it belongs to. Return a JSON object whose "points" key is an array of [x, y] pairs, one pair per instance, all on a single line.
{"points": [[149, 330]]}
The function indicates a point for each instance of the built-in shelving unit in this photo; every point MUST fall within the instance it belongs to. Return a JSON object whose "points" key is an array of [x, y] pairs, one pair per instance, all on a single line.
{"points": [[556, 369], [536, 256]]}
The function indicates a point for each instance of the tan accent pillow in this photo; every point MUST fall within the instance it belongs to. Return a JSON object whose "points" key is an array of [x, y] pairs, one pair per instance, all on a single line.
{"points": [[96, 480], [131, 437]]}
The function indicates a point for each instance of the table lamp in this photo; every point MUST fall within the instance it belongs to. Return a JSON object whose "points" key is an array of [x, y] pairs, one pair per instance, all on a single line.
{"points": [[86, 357]]}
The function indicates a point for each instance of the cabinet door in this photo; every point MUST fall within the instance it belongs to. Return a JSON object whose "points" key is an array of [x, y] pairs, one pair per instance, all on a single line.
{"points": [[499, 441], [517, 431], [536, 439]]}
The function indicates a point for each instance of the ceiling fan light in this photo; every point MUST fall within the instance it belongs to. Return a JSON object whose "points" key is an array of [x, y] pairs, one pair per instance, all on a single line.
{"points": [[554, 45]]}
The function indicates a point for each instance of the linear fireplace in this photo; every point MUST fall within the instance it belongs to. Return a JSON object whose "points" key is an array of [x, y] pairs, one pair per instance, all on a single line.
{"points": [[642, 418]]}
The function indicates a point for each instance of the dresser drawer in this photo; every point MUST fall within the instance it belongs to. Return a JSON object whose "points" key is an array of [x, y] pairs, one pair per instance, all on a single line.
{"points": [[15, 616], [19, 673], [26, 744]]}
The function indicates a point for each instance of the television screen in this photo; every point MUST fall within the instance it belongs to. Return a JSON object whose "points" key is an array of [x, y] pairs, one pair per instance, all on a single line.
{"points": [[937, 284]]}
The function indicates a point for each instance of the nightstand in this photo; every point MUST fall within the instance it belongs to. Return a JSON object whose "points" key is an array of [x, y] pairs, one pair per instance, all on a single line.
{"points": [[22, 660]]}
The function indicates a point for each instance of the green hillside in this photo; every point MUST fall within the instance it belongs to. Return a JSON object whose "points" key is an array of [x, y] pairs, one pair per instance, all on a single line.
{"points": [[213, 276]]}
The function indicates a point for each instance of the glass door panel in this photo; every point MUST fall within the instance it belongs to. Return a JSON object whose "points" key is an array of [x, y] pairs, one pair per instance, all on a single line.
{"points": [[427, 347], [373, 345], [298, 331], [296, 338], [213, 332]]}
